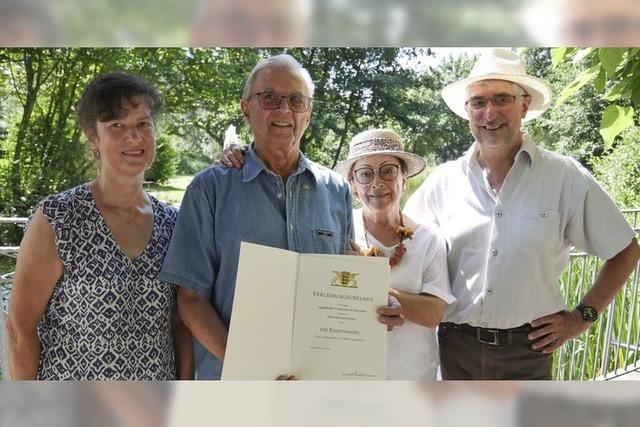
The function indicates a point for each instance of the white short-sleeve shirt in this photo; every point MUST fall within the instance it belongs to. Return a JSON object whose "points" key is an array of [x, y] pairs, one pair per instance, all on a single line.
{"points": [[506, 252], [412, 349]]}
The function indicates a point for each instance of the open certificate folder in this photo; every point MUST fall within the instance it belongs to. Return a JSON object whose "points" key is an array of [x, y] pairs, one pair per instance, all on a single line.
{"points": [[307, 314]]}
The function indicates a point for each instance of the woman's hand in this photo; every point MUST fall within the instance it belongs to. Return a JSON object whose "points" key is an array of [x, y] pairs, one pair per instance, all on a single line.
{"points": [[391, 315], [233, 156]]}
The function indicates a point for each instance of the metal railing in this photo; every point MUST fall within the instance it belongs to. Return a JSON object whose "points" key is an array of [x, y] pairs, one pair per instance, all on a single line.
{"points": [[608, 349], [611, 347]]}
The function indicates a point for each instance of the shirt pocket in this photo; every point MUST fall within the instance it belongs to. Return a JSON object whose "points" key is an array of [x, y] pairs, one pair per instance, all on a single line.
{"points": [[327, 241], [538, 231]]}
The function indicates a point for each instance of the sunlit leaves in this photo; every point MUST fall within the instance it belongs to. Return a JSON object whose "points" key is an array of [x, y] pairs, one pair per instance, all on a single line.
{"points": [[615, 119]]}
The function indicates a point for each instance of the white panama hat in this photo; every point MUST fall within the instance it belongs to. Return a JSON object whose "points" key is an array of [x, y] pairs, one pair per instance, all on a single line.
{"points": [[376, 142], [500, 64]]}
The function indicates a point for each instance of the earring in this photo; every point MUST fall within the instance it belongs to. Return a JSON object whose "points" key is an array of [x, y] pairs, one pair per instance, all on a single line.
{"points": [[96, 154]]}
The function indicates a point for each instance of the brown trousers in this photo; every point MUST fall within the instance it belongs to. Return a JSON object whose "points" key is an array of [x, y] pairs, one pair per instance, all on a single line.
{"points": [[463, 357]]}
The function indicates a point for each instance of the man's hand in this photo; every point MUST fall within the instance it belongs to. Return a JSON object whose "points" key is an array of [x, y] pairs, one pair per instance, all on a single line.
{"points": [[233, 156], [556, 329], [286, 377], [391, 315]]}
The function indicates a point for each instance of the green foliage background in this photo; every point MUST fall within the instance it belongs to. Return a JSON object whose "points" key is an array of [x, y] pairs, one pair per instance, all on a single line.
{"points": [[42, 151]]}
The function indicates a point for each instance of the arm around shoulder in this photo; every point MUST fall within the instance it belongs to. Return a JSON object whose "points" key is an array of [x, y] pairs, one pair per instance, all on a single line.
{"points": [[37, 271]]}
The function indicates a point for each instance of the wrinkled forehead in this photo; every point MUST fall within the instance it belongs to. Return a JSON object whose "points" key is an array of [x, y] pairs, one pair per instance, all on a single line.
{"points": [[280, 79], [491, 87]]}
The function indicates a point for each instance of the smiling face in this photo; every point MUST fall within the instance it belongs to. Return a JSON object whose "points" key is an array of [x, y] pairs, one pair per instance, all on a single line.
{"points": [[127, 145], [280, 129], [379, 195], [495, 126]]}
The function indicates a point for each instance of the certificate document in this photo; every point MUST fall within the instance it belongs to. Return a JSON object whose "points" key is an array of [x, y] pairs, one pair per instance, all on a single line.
{"points": [[306, 314]]}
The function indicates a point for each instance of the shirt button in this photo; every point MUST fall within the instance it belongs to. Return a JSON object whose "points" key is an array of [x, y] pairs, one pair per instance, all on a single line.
{"points": [[544, 214], [306, 187], [494, 252], [489, 291], [279, 195], [499, 214], [483, 324], [291, 226]]}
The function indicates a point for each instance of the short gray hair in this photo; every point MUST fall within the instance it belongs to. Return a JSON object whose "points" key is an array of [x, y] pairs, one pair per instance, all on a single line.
{"points": [[520, 91], [283, 60]]}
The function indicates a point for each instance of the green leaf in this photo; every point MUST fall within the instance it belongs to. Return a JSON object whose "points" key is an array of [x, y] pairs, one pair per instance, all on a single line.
{"points": [[585, 77], [558, 54], [615, 119], [600, 81], [611, 58], [619, 90], [635, 93]]}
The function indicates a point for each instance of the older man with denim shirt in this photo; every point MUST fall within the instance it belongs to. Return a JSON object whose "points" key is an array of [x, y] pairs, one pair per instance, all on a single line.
{"points": [[279, 199]]}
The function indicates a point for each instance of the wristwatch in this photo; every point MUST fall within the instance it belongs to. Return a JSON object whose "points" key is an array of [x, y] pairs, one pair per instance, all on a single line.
{"points": [[589, 313]]}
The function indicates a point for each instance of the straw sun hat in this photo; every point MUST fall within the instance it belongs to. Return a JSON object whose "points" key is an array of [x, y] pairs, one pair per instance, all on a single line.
{"points": [[500, 64], [379, 142]]}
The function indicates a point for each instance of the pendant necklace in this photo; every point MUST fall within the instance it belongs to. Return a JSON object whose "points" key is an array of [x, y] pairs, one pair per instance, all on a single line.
{"points": [[399, 250]]}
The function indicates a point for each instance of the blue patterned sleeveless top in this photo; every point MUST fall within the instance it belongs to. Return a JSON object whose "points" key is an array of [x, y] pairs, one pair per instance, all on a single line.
{"points": [[109, 316]]}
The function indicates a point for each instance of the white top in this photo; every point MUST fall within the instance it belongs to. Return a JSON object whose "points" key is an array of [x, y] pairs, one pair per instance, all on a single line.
{"points": [[412, 350], [507, 252]]}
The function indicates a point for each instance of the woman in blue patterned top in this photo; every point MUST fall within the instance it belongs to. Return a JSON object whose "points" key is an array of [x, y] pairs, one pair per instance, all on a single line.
{"points": [[86, 302]]}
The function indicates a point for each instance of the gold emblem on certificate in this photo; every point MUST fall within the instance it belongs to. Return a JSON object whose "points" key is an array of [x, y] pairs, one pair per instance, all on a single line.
{"points": [[345, 279]]}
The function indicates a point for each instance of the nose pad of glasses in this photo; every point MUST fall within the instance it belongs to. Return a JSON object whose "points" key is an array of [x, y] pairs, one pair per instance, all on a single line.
{"points": [[285, 100]]}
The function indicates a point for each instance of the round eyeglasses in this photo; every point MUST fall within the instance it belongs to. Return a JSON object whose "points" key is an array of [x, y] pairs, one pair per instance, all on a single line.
{"points": [[366, 174], [271, 101]]}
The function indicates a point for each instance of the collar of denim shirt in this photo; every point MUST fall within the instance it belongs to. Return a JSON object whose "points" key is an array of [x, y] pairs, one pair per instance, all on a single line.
{"points": [[253, 165]]}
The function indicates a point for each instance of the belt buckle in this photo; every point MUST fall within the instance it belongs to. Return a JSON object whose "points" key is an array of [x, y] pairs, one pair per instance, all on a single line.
{"points": [[493, 341]]}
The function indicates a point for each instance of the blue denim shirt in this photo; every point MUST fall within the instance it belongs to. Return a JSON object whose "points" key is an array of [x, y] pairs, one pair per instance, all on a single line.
{"points": [[224, 206]]}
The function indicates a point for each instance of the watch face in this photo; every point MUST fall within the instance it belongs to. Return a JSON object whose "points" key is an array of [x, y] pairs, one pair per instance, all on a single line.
{"points": [[589, 313]]}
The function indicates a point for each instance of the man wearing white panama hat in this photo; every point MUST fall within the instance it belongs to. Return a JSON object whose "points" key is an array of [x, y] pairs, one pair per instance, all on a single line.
{"points": [[510, 212]]}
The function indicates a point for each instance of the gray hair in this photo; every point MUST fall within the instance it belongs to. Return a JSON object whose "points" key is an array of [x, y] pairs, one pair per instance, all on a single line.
{"points": [[520, 91], [283, 60]]}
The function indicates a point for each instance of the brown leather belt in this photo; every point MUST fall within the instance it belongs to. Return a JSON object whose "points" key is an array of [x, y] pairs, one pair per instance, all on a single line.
{"points": [[492, 336]]}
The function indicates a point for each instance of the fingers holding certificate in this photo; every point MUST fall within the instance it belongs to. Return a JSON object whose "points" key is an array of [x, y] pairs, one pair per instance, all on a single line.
{"points": [[328, 328]]}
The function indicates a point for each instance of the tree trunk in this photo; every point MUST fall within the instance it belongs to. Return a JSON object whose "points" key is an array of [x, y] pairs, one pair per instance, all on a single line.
{"points": [[347, 122], [33, 81]]}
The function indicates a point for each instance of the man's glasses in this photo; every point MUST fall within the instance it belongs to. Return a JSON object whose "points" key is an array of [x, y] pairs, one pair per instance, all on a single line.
{"points": [[366, 174], [501, 100], [272, 101]]}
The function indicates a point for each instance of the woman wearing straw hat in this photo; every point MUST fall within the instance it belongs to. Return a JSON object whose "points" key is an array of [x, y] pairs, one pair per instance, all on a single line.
{"points": [[377, 168]]}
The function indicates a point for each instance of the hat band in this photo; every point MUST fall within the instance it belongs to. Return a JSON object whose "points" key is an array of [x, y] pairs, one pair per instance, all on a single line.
{"points": [[374, 145]]}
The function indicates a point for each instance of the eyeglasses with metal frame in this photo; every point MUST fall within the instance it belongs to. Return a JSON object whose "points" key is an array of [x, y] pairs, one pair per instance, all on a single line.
{"points": [[500, 100], [365, 175], [268, 100]]}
